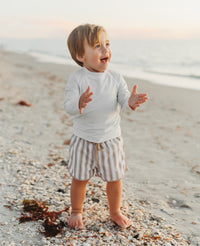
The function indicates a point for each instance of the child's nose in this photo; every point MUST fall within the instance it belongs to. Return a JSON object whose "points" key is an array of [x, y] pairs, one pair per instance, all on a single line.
{"points": [[105, 49]]}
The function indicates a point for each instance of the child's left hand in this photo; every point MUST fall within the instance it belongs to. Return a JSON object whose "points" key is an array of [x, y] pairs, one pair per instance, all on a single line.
{"points": [[135, 100]]}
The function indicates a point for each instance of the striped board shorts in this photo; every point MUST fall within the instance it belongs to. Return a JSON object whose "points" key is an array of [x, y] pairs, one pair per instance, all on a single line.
{"points": [[105, 160]]}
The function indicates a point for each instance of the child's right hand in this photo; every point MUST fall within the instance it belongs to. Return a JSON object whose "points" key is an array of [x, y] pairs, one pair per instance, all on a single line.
{"points": [[85, 99]]}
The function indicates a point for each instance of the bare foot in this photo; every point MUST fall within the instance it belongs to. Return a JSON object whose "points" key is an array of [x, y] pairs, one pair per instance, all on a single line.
{"points": [[121, 220], [75, 221]]}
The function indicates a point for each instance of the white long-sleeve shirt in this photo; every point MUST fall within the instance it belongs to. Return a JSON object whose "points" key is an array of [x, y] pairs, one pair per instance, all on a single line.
{"points": [[100, 121]]}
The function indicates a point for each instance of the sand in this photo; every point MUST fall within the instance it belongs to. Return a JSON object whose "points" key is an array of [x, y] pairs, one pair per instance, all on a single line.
{"points": [[162, 141]]}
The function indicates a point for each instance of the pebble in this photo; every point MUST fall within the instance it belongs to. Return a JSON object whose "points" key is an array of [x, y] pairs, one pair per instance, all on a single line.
{"points": [[167, 244]]}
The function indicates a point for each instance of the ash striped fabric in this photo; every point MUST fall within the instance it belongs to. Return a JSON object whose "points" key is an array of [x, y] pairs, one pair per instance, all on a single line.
{"points": [[106, 160]]}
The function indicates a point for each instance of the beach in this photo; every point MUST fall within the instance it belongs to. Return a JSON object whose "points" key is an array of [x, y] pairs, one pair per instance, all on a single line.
{"points": [[162, 145]]}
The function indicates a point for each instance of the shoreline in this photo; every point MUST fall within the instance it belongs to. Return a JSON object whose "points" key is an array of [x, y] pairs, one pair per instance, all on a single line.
{"points": [[161, 143], [155, 78], [182, 82]]}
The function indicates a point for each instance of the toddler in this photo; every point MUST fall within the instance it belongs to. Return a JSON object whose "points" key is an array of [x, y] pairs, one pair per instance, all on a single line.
{"points": [[94, 97]]}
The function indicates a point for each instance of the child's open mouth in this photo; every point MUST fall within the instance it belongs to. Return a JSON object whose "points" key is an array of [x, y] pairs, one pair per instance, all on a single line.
{"points": [[104, 60]]}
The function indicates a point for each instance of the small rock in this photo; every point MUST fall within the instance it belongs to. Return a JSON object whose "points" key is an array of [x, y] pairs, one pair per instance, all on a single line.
{"points": [[167, 244], [101, 230], [95, 199], [197, 195], [60, 190], [64, 163], [138, 214]]}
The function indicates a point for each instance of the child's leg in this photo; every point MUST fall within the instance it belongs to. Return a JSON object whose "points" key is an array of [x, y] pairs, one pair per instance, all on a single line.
{"points": [[78, 192], [114, 194]]}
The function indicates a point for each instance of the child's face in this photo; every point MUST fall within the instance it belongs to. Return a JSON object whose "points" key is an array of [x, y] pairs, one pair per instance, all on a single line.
{"points": [[97, 58]]}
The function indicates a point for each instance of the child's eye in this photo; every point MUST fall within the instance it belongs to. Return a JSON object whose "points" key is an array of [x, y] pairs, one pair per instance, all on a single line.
{"points": [[108, 44], [97, 46]]}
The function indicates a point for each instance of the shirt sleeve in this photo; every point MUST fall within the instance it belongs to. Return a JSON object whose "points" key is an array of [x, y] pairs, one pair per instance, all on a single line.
{"points": [[72, 95], [123, 93]]}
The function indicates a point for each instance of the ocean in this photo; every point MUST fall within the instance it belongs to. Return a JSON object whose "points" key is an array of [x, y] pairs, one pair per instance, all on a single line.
{"points": [[165, 62]]}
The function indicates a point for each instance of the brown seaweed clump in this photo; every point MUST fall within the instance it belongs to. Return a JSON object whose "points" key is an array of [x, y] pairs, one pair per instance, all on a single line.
{"points": [[24, 103], [38, 210]]}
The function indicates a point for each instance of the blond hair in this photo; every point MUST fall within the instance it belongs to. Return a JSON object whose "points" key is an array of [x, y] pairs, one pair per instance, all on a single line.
{"points": [[82, 33]]}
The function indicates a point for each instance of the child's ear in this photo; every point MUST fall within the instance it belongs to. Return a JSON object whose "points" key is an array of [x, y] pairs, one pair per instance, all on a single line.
{"points": [[80, 58]]}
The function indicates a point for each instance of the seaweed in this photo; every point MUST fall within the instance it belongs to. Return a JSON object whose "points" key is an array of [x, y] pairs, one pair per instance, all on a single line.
{"points": [[24, 103], [51, 229], [38, 210]]}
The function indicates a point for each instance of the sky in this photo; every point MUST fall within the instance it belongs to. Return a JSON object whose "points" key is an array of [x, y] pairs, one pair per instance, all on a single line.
{"points": [[171, 19]]}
